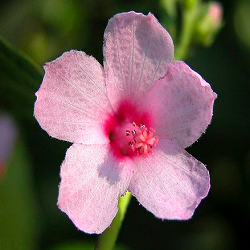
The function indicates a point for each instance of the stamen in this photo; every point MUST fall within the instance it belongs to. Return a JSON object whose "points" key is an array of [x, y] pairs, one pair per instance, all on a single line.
{"points": [[143, 140]]}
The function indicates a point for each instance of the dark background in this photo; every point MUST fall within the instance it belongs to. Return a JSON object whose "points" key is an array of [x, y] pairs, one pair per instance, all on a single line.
{"points": [[45, 29]]}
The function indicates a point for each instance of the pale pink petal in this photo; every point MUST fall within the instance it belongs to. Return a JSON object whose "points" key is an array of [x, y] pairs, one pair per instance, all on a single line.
{"points": [[72, 102], [170, 183], [137, 50], [91, 183], [181, 104]]}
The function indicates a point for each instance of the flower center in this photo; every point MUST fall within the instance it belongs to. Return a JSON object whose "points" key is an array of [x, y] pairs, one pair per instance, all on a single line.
{"points": [[131, 139], [130, 133]]}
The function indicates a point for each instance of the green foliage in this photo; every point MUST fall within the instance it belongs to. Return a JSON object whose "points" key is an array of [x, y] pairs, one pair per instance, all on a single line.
{"points": [[170, 7], [20, 78], [241, 23], [18, 207], [62, 15], [81, 245], [207, 26]]}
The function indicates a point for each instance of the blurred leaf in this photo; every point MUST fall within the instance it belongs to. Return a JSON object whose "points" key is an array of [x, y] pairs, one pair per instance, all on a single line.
{"points": [[83, 245], [226, 181], [170, 7], [169, 17], [39, 46], [209, 23], [74, 246], [18, 208], [241, 23], [62, 14], [210, 233], [20, 78]]}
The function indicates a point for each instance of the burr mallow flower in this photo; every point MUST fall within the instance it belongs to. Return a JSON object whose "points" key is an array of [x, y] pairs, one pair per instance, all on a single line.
{"points": [[129, 123]]}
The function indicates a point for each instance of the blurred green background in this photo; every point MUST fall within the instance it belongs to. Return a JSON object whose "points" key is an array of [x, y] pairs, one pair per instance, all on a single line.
{"points": [[29, 217]]}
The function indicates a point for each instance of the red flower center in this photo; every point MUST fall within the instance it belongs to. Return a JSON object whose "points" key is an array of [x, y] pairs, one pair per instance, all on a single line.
{"points": [[130, 133]]}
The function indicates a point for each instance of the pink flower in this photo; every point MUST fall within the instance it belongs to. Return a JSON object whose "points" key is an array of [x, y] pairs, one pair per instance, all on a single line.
{"points": [[129, 123]]}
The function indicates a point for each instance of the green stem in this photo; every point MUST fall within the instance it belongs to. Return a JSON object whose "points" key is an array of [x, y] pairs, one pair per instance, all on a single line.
{"points": [[188, 23], [106, 241]]}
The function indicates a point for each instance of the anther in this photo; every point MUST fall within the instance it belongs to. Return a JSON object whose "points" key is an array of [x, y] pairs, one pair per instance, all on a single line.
{"points": [[127, 132]]}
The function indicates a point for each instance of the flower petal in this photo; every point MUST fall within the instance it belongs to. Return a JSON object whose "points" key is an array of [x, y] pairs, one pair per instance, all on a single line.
{"points": [[91, 183], [170, 183], [72, 102], [181, 103], [137, 51]]}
